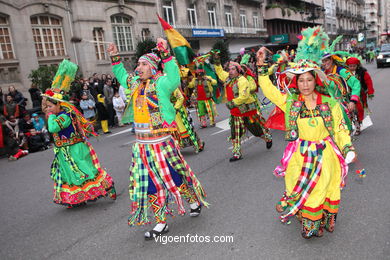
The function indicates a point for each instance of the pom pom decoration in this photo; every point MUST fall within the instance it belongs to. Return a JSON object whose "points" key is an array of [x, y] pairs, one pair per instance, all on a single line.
{"points": [[361, 173]]}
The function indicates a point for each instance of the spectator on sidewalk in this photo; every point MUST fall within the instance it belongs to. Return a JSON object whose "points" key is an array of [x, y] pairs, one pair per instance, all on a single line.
{"points": [[36, 141], [2, 98], [17, 97], [87, 104], [108, 92], [35, 95], [87, 90], [102, 114], [10, 108], [40, 127], [119, 106]]}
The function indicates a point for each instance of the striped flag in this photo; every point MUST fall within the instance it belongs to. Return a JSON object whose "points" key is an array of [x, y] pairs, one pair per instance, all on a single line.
{"points": [[180, 46]]}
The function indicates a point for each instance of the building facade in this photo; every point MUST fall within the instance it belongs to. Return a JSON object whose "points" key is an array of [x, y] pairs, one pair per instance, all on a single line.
{"points": [[36, 33], [350, 21], [330, 24], [285, 19], [202, 22], [374, 17]]}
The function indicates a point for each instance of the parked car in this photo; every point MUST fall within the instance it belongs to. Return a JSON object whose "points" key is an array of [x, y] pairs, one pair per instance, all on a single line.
{"points": [[383, 57]]}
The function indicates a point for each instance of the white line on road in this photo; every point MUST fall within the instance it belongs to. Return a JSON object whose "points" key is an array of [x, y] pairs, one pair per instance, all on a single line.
{"points": [[120, 132], [224, 125]]}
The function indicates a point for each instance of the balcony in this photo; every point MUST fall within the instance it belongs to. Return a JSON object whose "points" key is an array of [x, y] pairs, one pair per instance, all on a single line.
{"points": [[282, 14], [347, 32]]}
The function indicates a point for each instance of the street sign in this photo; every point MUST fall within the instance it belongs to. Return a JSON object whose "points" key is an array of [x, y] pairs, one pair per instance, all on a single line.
{"points": [[279, 38], [199, 32]]}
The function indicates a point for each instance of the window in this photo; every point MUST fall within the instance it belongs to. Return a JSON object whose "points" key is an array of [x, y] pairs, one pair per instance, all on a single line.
{"points": [[255, 21], [48, 36], [229, 16], [192, 15], [123, 32], [169, 14], [98, 37], [212, 15], [243, 19], [6, 49]]}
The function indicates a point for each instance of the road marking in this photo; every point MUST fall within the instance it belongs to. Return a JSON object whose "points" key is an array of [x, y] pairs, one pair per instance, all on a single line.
{"points": [[224, 125], [120, 132], [126, 144]]}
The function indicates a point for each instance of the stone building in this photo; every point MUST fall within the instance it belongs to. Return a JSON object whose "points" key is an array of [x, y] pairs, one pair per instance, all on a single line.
{"points": [[37, 33], [202, 22], [373, 15], [350, 21], [285, 19]]}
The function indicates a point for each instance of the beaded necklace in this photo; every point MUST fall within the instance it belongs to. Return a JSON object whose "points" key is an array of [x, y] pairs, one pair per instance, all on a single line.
{"points": [[313, 121]]}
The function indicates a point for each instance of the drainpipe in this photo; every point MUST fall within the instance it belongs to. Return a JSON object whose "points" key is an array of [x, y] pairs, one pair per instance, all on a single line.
{"points": [[71, 30]]}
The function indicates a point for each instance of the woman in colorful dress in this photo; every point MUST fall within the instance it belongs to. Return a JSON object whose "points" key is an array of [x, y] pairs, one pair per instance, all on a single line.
{"points": [[76, 171], [313, 164]]}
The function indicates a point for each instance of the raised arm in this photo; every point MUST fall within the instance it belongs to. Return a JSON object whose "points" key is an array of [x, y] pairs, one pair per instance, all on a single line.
{"points": [[117, 67], [222, 75]]}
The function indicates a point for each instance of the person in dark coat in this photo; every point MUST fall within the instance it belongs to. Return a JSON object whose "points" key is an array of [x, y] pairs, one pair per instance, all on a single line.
{"points": [[102, 113]]}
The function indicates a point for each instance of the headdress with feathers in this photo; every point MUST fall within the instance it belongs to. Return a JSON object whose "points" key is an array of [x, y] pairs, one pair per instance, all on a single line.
{"points": [[58, 93]]}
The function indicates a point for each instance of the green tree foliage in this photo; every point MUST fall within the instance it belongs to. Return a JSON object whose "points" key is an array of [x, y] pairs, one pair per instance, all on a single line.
{"points": [[224, 48], [144, 47], [43, 76]]}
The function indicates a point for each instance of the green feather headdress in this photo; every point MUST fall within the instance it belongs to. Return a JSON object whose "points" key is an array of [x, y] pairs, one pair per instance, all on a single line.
{"points": [[62, 81], [313, 45]]}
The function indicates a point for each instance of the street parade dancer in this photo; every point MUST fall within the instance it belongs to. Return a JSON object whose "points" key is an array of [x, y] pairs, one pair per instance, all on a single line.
{"points": [[158, 171], [187, 136], [345, 86], [242, 106], [367, 88], [314, 163], [251, 77], [202, 86], [76, 171]]}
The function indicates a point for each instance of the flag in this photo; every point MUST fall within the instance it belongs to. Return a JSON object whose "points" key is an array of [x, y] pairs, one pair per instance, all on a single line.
{"points": [[180, 46]]}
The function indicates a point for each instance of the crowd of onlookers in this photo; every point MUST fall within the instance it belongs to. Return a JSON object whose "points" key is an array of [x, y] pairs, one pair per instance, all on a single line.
{"points": [[100, 98]]}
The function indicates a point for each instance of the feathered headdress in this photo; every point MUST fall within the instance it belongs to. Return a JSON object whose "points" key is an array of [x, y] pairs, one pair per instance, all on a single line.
{"points": [[60, 87], [310, 50], [62, 81], [313, 45]]}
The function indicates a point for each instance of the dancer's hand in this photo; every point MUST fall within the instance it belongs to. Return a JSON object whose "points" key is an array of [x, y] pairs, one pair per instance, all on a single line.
{"points": [[351, 106], [162, 45], [260, 56], [112, 50]]}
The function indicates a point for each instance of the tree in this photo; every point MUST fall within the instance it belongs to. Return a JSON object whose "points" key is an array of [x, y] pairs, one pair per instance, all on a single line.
{"points": [[224, 48], [144, 47], [43, 76]]}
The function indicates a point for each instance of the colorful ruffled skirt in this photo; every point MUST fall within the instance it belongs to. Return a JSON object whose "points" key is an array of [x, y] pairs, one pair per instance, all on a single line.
{"points": [[78, 176]]}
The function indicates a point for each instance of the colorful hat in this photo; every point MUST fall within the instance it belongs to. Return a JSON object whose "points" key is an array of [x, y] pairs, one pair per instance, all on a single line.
{"points": [[352, 60], [62, 81], [238, 66], [152, 59]]}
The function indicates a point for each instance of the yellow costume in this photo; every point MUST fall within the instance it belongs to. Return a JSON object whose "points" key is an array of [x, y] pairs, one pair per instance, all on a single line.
{"points": [[313, 166]]}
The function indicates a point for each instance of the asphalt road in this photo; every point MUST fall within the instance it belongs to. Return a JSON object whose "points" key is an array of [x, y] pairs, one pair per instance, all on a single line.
{"points": [[242, 197]]}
